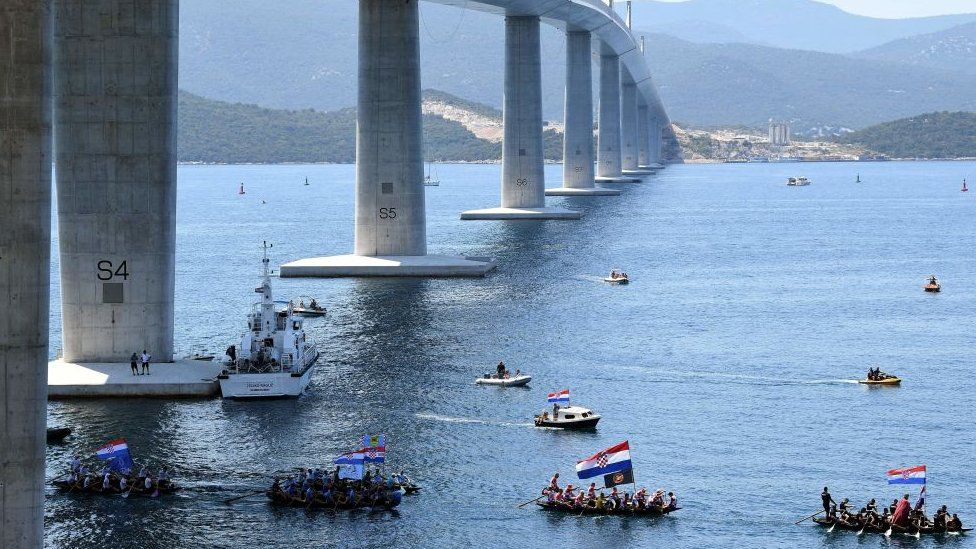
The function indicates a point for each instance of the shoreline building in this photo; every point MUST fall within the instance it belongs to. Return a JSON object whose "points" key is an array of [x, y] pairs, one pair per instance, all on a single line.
{"points": [[779, 133]]}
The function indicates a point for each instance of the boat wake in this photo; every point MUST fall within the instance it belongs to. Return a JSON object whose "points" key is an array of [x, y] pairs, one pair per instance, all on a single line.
{"points": [[743, 378], [449, 419]]}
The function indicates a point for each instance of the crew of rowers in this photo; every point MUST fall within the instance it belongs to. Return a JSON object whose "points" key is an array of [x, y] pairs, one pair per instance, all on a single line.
{"points": [[900, 514], [578, 498], [109, 481], [318, 488], [875, 374]]}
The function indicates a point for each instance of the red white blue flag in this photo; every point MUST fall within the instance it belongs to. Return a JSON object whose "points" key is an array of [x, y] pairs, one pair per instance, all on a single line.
{"points": [[560, 397], [908, 475], [613, 459], [116, 452]]}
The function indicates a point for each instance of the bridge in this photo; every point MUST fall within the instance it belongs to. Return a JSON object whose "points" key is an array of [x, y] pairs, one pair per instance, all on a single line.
{"points": [[99, 79]]}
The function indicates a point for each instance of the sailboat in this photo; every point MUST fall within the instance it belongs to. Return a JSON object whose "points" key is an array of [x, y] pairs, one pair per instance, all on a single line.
{"points": [[431, 180], [858, 178], [242, 189], [306, 182], [964, 187]]}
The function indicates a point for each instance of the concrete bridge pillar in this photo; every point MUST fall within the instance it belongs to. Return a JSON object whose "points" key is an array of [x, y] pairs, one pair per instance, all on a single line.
{"points": [[609, 158], [628, 126], [656, 141], [391, 224], [25, 264], [116, 176], [578, 170], [643, 135], [523, 155]]}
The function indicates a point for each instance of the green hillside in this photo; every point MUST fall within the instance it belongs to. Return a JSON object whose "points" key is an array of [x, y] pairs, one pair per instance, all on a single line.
{"points": [[217, 132], [932, 135]]}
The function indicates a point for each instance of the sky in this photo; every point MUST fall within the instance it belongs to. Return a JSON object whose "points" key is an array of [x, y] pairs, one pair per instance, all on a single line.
{"points": [[895, 9]]}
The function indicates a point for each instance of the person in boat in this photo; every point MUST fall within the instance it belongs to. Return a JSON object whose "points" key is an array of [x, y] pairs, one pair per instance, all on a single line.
{"points": [[518, 372], [555, 411], [826, 499], [591, 491], [301, 303], [901, 515], [672, 501], [554, 483], [578, 500], [954, 524], [872, 506], [500, 370], [614, 499], [940, 518], [75, 463], [600, 502]]}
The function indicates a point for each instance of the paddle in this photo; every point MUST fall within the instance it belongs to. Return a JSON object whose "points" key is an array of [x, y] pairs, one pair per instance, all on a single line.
{"points": [[232, 500], [807, 518], [528, 502]]}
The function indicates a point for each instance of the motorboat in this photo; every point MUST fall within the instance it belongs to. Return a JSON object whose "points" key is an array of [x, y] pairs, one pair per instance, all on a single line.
{"points": [[274, 358], [933, 285], [520, 380], [797, 182], [568, 417], [312, 309], [889, 380], [617, 277]]}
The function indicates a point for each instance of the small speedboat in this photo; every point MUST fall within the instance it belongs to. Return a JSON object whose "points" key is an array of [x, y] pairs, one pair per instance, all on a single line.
{"points": [[890, 380], [617, 277], [568, 417], [797, 182], [933, 285], [516, 381]]}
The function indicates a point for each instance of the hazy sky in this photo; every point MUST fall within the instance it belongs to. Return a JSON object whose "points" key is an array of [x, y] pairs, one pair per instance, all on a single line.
{"points": [[899, 8]]}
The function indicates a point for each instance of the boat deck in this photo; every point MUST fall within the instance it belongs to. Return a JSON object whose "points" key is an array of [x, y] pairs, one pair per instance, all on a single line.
{"points": [[180, 379]]}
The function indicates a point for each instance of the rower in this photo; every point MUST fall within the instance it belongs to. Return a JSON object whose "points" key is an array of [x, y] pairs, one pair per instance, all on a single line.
{"points": [[123, 484], [578, 500], [568, 493], [591, 491], [672, 501], [871, 507], [954, 524], [939, 520], [75, 464], [844, 506], [601, 501], [554, 482], [827, 500]]}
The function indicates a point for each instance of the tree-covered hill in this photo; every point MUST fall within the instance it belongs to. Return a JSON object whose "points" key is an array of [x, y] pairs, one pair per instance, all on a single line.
{"points": [[932, 135]]}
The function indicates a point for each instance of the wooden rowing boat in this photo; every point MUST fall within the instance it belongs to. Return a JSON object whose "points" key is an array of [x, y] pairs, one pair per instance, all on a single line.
{"points": [[591, 510], [95, 489], [853, 527], [282, 499]]}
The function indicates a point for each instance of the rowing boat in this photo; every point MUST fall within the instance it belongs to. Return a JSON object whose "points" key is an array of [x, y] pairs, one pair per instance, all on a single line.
{"points": [[622, 512], [887, 381], [280, 498], [95, 489], [853, 527]]}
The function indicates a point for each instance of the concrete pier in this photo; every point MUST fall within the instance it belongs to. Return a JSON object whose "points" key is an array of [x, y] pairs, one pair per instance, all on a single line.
{"points": [[115, 138], [180, 379], [25, 263], [628, 125], [578, 170], [643, 135], [656, 141], [391, 225], [609, 160], [523, 154]]}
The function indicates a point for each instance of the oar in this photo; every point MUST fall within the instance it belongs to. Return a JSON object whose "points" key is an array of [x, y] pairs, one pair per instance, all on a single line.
{"points": [[232, 500], [807, 518], [528, 502]]}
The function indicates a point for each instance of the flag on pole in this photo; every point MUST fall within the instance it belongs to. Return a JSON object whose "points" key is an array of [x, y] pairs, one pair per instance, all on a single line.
{"points": [[373, 441], [351, 465], [908, 475], [613, 459], [618, 478], [374, 449], [116, 452], [561, 397]]}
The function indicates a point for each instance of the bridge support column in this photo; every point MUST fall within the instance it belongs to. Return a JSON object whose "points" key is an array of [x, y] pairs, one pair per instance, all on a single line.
{"points": [[391, 225], [643, 135], [116, 176], [628, 126], [523, 155], [25, 264], [609, 159], [656, 141], [578, 170]]}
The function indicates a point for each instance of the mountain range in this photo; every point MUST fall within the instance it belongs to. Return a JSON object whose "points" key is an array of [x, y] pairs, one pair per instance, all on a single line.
{"points": [[302, 54]]}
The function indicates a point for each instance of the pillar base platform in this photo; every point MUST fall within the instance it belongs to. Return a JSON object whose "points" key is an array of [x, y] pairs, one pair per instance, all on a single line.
{"points": [[179, 379], [620, 179], [654, 166], [387, 265], [590, 191], [639, 172], [521, 213]]}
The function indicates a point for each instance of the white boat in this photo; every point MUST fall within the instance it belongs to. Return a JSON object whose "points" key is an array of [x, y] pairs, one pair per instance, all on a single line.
{"points": [[797, 182], [274, 358], [517, 381], [617, 277], [568, 417]]}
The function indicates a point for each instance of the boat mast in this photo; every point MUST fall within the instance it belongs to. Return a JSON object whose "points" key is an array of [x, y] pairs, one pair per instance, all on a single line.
{"points": [[267, 299]]}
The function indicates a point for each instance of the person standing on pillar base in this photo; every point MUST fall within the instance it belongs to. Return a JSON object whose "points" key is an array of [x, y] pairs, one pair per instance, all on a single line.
{"points": [[134, 363], [145, 362]]}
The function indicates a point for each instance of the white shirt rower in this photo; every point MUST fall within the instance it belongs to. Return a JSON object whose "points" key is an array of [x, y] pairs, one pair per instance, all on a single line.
{"points": [[123, 484], [148, 483]]}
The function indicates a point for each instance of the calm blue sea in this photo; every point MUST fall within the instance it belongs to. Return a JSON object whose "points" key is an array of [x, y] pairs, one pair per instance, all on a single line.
{"points": [[728, 363]]}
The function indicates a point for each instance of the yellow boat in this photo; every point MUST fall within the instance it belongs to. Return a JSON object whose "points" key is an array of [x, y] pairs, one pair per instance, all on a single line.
{"points": [[888, 381]]}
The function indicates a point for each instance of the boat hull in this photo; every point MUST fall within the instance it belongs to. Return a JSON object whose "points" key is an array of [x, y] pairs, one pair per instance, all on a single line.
{"points": [[827, 523], [617, 280], [511, 382], [891, 381], [586, 423], [587, 510], [274, 385]]}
